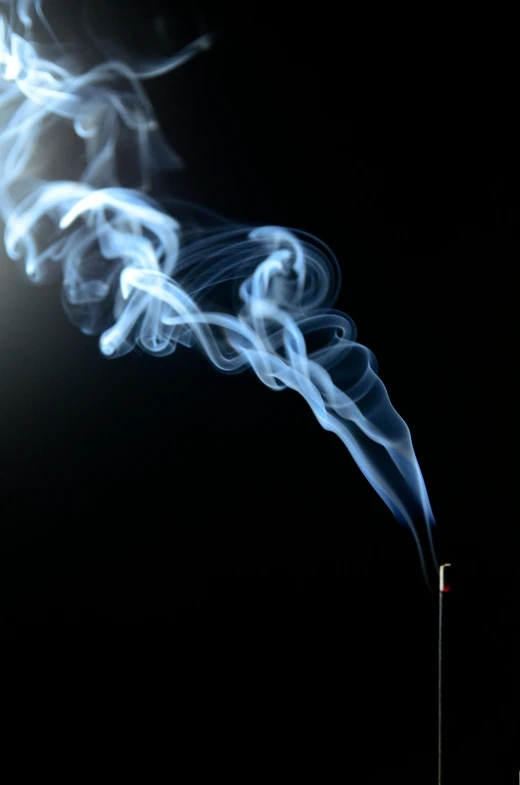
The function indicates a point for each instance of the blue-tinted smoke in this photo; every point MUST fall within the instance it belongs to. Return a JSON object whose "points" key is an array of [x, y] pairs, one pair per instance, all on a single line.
{"points": [[138, 277]]}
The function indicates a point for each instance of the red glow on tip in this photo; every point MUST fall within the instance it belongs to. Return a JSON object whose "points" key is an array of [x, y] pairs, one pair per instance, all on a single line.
{"points": [[446, 588]]}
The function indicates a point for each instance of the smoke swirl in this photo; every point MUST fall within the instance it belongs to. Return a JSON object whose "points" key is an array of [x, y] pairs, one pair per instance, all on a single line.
{"points": [[137, 276]]}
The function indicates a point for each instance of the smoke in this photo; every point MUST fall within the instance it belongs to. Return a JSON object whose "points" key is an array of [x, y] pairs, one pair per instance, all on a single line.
{"points": [[137, 276]]}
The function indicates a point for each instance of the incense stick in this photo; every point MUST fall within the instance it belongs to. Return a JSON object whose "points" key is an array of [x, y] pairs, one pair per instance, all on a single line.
{"points": [[443, 588]]}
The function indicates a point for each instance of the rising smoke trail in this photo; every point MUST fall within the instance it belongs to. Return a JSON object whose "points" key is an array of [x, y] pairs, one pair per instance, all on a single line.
{"points": [[132, 274]]}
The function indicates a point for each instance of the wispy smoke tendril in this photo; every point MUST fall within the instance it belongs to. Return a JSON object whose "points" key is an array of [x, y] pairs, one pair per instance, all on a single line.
{"points": [[130, 274]]}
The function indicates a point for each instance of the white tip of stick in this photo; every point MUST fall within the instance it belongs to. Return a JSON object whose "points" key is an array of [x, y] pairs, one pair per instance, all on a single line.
{"points": [[443, 586]]}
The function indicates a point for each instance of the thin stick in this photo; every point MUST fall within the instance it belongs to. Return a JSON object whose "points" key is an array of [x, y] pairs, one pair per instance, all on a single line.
{"points": [[443, 588]]}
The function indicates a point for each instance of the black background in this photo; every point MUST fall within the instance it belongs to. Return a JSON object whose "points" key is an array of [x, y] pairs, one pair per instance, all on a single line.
{"points": [[177, 528]]}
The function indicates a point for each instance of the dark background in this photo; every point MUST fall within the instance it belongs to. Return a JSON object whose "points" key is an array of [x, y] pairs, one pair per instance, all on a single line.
{"points": [[181, 529]]}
